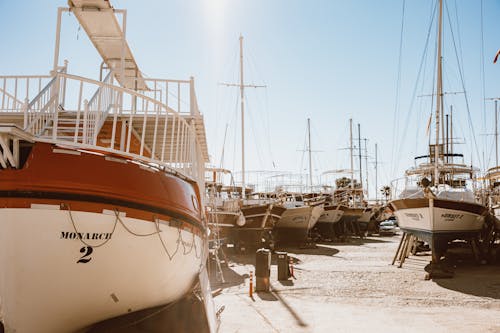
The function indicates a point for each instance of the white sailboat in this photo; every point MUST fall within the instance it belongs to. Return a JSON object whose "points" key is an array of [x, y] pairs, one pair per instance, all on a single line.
{"points": [[436, 204], [302, 209]]}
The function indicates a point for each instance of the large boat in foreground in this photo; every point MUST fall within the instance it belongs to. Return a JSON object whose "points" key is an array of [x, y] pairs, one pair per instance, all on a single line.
{"points": [[101, 187]]}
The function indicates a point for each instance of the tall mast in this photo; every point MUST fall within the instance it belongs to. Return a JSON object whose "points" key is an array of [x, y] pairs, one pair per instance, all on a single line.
{"points": [[242, 98], [439, 92], [366, 167], [360, 161], [309, 149], [376, 175], [447, 139], [242, 87], [351, 150], [496, 132], [451, 129]]}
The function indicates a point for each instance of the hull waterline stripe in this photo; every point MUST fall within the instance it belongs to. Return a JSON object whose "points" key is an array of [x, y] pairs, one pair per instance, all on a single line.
{"points": [[102, 200]]}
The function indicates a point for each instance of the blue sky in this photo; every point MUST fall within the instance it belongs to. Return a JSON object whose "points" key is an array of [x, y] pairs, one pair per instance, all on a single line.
{"points": [[328, 60]]}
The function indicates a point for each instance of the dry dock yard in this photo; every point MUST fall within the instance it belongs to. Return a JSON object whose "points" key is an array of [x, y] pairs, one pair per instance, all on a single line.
{"points": [[352, 287]]}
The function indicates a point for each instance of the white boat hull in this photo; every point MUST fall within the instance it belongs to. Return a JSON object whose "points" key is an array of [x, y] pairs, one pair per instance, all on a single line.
{"points": [[304, 217], [439, 221], [51, 281]]}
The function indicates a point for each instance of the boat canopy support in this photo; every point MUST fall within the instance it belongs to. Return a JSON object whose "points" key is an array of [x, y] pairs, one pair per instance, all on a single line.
{"points": [[99, 21]]}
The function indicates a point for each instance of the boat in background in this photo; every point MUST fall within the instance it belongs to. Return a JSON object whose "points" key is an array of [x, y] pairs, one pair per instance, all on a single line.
{"points": [[101, 188], [493, 178], [436, 204], [327, 221], [246, 224], [223, 205], [300, 216]]}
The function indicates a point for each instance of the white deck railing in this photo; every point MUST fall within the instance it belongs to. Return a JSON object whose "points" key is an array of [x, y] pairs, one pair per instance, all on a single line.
{"points": [[16, 90], [84, 113]]}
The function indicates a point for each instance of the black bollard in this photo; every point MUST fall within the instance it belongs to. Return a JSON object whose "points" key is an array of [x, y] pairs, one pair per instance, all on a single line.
{"points": [[262, 269], [283, 268]]}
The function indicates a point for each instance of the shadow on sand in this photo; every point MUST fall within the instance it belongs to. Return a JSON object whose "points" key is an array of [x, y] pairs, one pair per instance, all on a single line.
{"points": [[318, 250], [231, 278], [471, 277]]}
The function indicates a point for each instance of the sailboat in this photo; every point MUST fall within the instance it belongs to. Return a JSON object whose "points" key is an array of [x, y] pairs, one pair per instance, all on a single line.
{"points": [[436, 205], [302, 209], [345, 204], [260, 213], [101, 188]]}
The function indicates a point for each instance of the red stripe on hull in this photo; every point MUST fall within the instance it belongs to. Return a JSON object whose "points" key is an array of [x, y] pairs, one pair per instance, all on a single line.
{"points": [[93, 176]]}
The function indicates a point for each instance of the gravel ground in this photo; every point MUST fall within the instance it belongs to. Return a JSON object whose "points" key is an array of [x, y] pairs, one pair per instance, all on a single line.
{"points": [[352, 287]]}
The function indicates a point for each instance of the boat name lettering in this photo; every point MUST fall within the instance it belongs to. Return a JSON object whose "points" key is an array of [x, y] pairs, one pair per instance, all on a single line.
{"points": [[85, 235], [451, 217], [414, 216]]}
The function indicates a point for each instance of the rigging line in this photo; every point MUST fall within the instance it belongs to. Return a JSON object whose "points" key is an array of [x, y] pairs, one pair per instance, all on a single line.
{"points": [[78, 233], [471, 126], [396, 164], [303, 153], [459, 35], [267, 124], [237, 115], [395, 123], [254, 133], [223, 147]]}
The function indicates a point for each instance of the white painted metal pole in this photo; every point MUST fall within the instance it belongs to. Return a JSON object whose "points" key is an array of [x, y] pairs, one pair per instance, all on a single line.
{"points": [[242, 97], [496, 132], [439, 93], [351, 150], [124, 42], [376, 174], [58, 38], [309, 149]]}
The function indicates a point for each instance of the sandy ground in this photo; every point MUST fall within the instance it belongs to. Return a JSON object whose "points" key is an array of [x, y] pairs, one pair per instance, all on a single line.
{"points": [[352, 287]]}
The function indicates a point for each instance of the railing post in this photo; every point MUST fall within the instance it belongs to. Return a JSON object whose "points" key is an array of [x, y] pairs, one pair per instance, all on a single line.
{"points": [[191, 96], [96, 129], [85, 120], [25, 112], [65, 70]]}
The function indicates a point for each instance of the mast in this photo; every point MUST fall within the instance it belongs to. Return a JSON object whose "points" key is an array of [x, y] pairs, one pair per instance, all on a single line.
{"points": [[376, 175], [309, 149], [439, 92], [451, 129], [447, 139], [242, 98], [351, 150], [496, 132], [242, 87], [360, 161], [366, 167]]}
